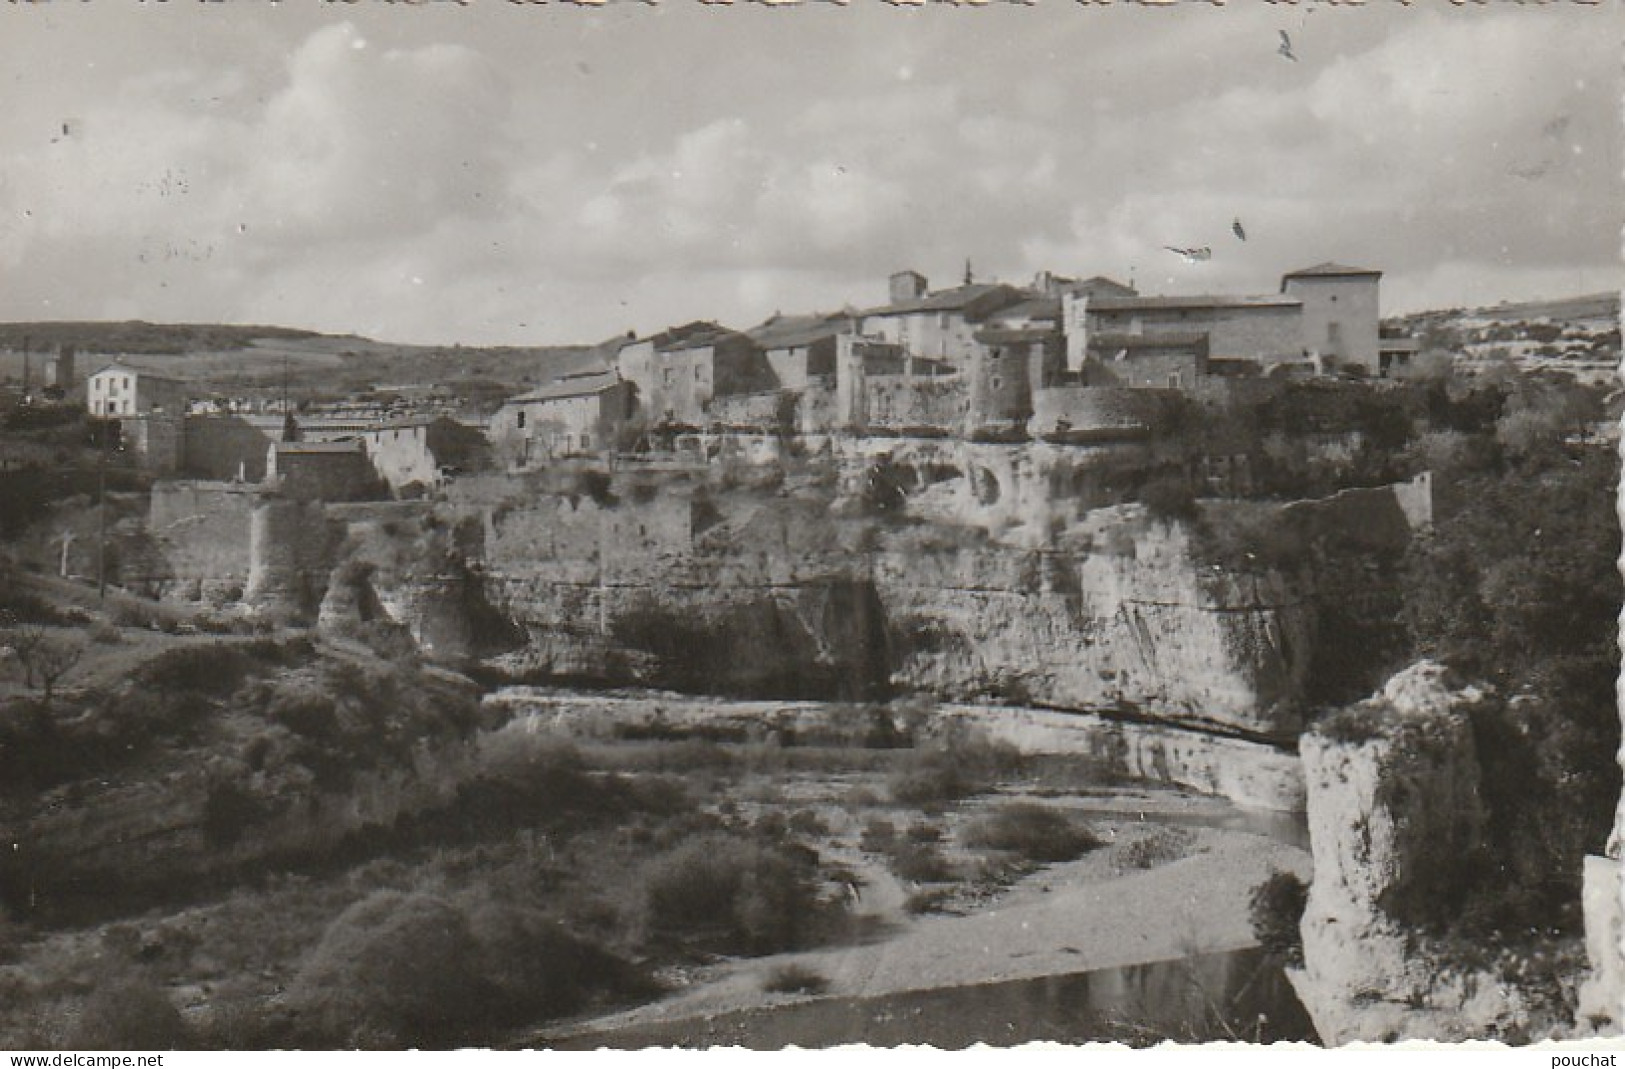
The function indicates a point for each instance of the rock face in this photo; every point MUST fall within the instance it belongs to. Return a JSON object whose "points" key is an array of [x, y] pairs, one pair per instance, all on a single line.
{"points": [[975, 573], [1139, 624], [777, 600], [1602, 996], [1393, 807]]}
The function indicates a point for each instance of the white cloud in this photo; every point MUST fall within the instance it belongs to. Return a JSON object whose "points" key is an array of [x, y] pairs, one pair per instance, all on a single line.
{"points": [[543, 199]]}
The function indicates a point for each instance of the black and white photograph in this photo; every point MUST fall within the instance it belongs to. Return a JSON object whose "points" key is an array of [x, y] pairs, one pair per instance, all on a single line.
{"points": [[540, 526]]}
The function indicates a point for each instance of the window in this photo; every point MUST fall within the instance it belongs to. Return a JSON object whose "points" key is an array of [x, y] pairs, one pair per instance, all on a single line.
{"points": [[520, 419], [586, 441], [1174, 380], [997, 383], [667, 377], [126, 382], [698, 373]]}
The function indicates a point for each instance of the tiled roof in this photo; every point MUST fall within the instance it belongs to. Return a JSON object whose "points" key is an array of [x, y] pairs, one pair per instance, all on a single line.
{"points": [[1329, 270], [941, 301], [137, 369], [783, 332], [692, 336], [1168, 339], [1135, 304], [1037, 308], [1001, 335], [578, 385], [346, 445]]}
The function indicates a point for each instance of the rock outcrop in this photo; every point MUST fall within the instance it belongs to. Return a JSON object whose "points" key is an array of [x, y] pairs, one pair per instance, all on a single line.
{"points": [[1602, 996], [1394, 810]]}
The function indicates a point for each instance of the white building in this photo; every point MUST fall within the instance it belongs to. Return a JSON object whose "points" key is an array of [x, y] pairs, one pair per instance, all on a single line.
{"points": [[121, 390]]}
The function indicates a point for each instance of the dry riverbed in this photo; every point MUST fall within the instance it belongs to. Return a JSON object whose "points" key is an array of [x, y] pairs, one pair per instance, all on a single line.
{"points": [[1165, 885]]}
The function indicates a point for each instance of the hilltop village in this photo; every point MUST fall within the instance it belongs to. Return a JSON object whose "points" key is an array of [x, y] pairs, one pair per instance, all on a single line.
{"points": [[714, 661], [1060, 359]]}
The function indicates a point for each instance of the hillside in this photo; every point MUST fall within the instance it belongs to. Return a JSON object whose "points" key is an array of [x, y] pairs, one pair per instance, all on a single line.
{"points": [[231, 359]]}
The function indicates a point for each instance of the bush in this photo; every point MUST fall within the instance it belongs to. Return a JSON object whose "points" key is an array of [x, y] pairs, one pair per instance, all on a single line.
{"points": [[807, 823], [1169, 499], [1158, 848], [229, 810], [129, 1012], [1275, 910], [957, 768], [413, 969], [392, 969], [1353, 724], [1033, 833], [733, 892], [928, 900], [919, 863], [794, 980], [878, 836]]}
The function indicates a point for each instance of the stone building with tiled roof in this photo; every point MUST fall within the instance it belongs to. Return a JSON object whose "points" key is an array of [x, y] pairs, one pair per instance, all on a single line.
{"points": [[574, 415]]}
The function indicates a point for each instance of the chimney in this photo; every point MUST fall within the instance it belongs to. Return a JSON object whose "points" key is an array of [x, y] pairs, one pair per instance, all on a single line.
{"points": [[907, 286]]}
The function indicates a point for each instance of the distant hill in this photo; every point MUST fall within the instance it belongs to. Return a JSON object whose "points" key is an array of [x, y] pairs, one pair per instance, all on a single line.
{"points": [[139, 338], [1595, 310], [239, 359], [1568, 310]]}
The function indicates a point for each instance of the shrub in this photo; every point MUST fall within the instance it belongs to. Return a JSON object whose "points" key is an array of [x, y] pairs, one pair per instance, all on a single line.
{"points": [[411, 968], [1169, 499], [1032, 832], [807, 823], [229, 810], [919, 863], [1158, 848], [928, 900], [956, 768], [794, 980], [1353, 724], [393, 968], [129, 1012], [535, 968], [1275, 910], [738, 893], [878, 836]]}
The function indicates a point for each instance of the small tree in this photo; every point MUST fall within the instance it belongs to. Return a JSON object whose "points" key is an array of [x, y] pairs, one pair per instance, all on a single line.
{"points": [[46, 657], [1275, 910]]}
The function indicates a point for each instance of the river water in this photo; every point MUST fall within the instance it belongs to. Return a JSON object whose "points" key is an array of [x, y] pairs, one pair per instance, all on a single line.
{"points": [[1232, 996]]}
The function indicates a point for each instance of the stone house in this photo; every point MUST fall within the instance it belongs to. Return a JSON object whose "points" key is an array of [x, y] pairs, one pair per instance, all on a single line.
{"points": [[1266, 329], [574, 415], [321, 471], [120, 389], [1007, 367], [1341, 314], [939, 326], [416, 450], [678, 371], [1175, 360], [800, 348]]}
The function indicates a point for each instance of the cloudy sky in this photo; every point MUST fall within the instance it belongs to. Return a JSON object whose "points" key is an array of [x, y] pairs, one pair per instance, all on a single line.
{"points": [[529, 174]]}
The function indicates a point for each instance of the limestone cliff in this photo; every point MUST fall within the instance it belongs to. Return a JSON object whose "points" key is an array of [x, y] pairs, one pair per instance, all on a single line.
{"points": [[1394, 810], [1136, 623], [778, 598]]}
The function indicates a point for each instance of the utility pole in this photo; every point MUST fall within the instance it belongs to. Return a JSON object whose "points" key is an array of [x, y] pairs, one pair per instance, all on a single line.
{"points": [[101, 518], [67, 539]]}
